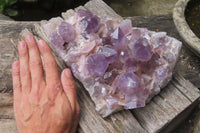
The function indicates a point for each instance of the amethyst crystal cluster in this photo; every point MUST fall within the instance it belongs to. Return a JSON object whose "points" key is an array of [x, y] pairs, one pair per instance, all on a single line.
{"points": [[120, 66]]}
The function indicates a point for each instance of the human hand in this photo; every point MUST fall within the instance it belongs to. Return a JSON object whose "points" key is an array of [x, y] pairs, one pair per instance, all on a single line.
{"points": [[42, 105]]}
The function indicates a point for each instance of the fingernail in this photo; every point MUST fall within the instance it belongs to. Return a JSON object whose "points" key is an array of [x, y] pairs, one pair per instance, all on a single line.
{"points": [[29, 38], [41, 43], [22, 45], [68, 73]]}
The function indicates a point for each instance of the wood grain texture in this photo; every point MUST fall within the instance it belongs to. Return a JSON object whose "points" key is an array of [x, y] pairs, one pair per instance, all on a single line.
{"points": [[8, 126], [2, 17], [161, 111], [167, 105], [9, 30]]}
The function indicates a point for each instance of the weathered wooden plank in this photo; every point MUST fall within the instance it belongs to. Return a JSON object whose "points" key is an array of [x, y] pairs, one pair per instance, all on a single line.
{"points": [[171, 100], [9, 30], [2, 17], [6, 99], [6, 106], [7, 112], [180, 118], [184, 86], [177, 100], [8, 126], [99, 8], [116, 122]]}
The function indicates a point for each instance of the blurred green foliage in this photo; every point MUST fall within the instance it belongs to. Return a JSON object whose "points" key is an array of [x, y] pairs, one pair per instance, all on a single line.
{"points": [[8, 7]]}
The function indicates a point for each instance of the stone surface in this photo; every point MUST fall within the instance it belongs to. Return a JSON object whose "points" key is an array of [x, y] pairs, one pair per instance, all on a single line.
{"points": [[192, 41]]}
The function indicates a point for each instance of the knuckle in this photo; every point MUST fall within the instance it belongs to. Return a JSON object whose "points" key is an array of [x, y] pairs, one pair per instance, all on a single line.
{"points": [[70, 85], [15, 72], [16, 86], [32, 45], [23, 73], [53, 91], [35, 64], [54, 87], [23, 53], [50, 64]]}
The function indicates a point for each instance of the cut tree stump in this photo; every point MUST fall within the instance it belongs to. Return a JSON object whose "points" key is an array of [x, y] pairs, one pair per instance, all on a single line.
{"points": [[162, 114]]}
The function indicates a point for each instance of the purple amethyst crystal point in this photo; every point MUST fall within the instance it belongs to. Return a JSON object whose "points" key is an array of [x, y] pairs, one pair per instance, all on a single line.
{"points": [[124, 54], [128, 83], [112, 101], [141, 50], [84, 13], [89, 23], [109, 53], [66, 31], [138, 33], [118, 39], [136, 100], [96, 64], [100, 90], [159, 39], [56, 40], [126, 26], [161, 72], [131, 65], [106, 40]]}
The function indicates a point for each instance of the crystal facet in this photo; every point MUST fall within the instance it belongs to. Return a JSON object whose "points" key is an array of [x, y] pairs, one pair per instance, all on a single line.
{"points": [[96, 64], [66, 31], [128, 83]]}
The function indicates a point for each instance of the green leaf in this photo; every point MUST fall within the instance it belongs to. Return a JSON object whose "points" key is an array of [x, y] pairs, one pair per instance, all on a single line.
{"points": [[12, 2], [12, 12]]}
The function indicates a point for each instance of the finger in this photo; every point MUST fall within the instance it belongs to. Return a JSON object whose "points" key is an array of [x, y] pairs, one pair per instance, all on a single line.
{"points": [[16, 78], [25, 76], [50, 65], [35, 62], [69, 87], [16, 83]]}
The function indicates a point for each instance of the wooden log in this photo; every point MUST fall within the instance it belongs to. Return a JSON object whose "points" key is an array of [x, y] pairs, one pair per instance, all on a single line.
{"points": [[157, 114]]}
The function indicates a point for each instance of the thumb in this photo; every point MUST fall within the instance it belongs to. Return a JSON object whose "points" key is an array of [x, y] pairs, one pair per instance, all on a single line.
{"points": [[69, 87]]}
